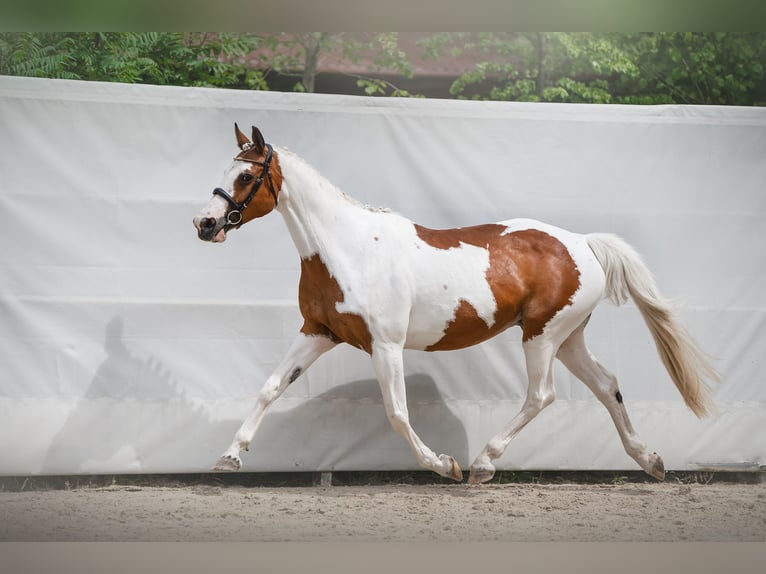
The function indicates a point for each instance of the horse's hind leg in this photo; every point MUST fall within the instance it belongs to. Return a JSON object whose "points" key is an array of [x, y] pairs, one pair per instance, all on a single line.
{"points": [[388, 363], [576, 357], [539, 354]]}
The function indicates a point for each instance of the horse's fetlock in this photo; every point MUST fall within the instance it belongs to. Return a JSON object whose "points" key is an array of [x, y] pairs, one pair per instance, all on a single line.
{"points": [[493, 450]]}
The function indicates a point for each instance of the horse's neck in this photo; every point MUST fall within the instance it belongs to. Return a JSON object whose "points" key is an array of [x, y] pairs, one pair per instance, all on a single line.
{"points": [[316, 212]]}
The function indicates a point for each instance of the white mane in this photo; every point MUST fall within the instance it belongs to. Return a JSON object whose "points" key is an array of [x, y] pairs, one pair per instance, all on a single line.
{"points": [[310, 172]]}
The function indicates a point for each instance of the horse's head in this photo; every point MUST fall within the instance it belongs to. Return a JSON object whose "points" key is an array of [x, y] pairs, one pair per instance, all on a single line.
{"points": [[250, 189]]}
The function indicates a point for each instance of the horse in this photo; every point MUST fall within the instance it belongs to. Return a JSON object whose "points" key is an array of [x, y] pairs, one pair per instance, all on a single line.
{"points": [[373, 279]]}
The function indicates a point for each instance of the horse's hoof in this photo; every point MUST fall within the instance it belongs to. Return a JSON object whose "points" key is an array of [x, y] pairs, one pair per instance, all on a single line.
{"points": [[227, 464], [481, 474], [454, 471], [656, 467]]}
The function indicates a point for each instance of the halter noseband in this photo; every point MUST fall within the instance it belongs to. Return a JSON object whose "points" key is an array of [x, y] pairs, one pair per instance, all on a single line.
{"points": [[234, 217]]}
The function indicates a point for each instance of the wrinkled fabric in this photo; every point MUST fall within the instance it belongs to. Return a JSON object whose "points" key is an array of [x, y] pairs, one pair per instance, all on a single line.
{"points": [[128, 345]]}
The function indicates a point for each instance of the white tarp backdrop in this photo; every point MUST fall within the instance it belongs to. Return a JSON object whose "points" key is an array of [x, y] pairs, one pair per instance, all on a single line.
{"points": [[128, 345]]}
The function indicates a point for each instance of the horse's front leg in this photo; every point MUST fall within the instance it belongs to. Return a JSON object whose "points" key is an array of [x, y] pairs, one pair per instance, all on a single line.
{"points": [[389, 368], [303, 352]]}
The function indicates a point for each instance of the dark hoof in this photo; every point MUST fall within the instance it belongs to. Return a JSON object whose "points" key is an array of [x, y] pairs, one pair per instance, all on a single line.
{"points": [[454, 471], [656, 468]]}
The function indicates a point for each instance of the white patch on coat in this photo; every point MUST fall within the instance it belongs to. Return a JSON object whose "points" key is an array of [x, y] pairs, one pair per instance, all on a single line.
{"points": [[218, 207], [445, 278]]}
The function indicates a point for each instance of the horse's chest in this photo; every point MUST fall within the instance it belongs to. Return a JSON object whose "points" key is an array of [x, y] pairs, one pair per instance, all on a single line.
{"points": [[319, 295]]}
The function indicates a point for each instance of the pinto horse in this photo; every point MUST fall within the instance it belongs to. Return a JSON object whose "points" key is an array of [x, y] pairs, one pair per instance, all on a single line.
{"points": [[375, 280]]}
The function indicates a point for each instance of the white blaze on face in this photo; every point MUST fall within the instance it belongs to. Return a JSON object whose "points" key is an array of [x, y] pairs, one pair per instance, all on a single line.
{"points": [[217, 208]]}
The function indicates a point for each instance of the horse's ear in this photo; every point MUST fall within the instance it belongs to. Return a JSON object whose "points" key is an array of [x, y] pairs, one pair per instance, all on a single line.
{"points": [[258, 142], [241, 138]]}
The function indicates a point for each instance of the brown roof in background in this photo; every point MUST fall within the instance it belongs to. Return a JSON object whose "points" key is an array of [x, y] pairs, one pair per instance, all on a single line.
{"points": [[446, 65]]}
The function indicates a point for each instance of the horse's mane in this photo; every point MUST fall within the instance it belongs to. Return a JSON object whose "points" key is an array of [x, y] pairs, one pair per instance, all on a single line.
{"points": [[313, 173]]}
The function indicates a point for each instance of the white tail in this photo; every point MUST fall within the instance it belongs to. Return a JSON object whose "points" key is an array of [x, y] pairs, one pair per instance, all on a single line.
{"points": [[628, 275]]}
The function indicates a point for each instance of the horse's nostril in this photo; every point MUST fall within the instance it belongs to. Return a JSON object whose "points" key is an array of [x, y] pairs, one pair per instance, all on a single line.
{"points": [[207, 224]]}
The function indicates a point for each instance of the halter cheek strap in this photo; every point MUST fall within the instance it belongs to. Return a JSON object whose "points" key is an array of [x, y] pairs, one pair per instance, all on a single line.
{"points": [[234, 217]]}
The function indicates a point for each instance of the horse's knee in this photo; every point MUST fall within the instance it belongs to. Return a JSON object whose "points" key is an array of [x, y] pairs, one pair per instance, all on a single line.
{"points": [[536, 402], [548, 397], [609, 390], [270, 391], [399, 421], [607, 380]]}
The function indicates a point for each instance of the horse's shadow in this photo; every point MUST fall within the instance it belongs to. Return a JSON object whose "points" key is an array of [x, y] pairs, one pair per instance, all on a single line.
{"points": [[348, 425], [344, 427], [94, 437]]}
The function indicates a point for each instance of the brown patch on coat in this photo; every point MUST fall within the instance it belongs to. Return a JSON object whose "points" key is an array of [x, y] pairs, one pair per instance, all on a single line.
{"points": [[531, 275], [466, 328], [478, 235], [318, 296], [263, 201]]}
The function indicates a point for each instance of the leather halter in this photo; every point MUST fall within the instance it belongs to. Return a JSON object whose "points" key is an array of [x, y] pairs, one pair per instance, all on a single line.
{"points": [[234, 217]]}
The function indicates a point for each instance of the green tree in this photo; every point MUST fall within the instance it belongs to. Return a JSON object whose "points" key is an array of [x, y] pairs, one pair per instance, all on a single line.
{"points": [[191, 59], [202, 59], [695, 68], [648, 68], [638, 68], [299, 54], [537, 66]]}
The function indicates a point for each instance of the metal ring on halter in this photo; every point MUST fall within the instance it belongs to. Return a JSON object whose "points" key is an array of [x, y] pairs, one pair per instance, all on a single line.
{"points": [[234, 217]]}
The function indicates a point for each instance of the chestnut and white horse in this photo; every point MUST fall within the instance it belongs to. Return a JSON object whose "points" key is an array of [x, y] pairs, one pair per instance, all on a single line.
{"points": [[377, 281]]}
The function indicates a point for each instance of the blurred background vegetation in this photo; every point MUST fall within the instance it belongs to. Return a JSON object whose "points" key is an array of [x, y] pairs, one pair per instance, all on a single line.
{"points": [[716, 68]]}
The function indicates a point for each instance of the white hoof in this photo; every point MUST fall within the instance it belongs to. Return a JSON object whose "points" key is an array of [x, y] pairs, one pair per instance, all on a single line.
{"points": [[481, 473], [227, 464]]}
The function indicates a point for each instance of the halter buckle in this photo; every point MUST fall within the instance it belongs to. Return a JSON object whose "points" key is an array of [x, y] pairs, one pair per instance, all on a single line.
{"points": [[234, 217]]}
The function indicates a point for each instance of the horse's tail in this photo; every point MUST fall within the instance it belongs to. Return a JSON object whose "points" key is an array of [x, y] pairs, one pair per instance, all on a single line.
{"points": [[627, 274]]}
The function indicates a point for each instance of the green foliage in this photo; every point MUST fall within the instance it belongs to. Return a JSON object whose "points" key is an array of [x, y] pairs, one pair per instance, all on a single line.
{"points": [[190, 59], [39, 55], [380, 87], [697, 68], [631, 68], [200, 59], [638, 68], [296, 54]]}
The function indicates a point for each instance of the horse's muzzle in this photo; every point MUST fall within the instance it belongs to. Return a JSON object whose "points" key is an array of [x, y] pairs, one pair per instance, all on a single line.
{"points": [[208, 229]]}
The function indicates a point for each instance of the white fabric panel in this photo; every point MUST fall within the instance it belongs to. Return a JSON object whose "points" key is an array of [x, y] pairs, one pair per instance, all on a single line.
{"points": [[128, 345]]}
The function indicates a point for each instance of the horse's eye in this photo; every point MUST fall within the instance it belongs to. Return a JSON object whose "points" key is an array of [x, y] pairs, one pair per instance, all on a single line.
{"points": [[245, 177]]}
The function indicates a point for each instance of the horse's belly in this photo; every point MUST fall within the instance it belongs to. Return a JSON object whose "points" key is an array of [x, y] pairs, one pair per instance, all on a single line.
{"points": [[448, 281], [434, 320], [450, 325], [427, 325]]}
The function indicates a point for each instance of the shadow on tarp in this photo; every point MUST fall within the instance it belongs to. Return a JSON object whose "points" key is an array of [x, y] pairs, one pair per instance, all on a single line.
{"points": [[344, 427], [353, 415]]}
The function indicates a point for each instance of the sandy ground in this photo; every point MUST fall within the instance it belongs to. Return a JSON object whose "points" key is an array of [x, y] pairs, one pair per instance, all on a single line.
{"points": [[646, 512]]}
